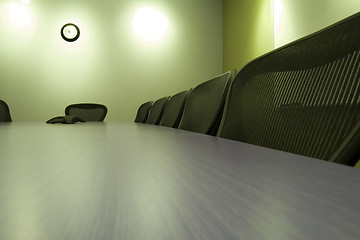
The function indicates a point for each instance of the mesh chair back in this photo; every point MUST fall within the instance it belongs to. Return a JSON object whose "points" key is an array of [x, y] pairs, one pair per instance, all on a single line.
{"points": [[143, 112], [156, 111], [303, 98], [204, 106], [4, 112], [87, 111], [173, 110]]}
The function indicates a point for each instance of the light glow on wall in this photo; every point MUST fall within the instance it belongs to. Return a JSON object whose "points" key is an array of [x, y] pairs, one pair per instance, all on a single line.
{"points": [[150, 25], [19, 16], [278, 9]]}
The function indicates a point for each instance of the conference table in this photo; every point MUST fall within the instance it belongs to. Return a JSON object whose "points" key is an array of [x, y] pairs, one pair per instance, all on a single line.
{"points": [[134, 181]]}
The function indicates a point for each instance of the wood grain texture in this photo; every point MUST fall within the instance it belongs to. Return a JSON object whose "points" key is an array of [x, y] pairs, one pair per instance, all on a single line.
{"points": [[137, 181]]}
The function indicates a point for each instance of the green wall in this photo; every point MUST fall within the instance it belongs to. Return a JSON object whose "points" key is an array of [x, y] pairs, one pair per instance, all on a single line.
{"points": [[254, 27], [296, 19], [248, 31], [40, 73]]}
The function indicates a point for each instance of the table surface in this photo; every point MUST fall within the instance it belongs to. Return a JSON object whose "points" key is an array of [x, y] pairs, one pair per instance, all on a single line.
{"points": [[134, 181]]}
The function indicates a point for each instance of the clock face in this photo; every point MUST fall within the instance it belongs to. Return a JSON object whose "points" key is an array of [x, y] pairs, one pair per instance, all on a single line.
{"points": [[70, 32]]}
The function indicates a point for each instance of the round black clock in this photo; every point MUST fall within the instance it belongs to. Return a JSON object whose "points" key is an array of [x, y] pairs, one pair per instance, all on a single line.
{"points": [[70, 32]]}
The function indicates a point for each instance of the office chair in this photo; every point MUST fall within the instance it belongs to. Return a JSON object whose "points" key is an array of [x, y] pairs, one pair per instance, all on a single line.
{"points": [[5, 115], [156, 111], [143, 112], [174, 109], [204, 106], [87, 111], [302, 98]]}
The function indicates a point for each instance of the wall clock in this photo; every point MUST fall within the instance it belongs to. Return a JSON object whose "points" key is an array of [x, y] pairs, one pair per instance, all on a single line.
{"points": [[70, 32]]}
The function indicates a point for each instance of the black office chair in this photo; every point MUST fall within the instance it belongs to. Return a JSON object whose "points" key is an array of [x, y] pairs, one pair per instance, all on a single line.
{"points": [[87, 111], [174, 109], [302, 98], [5, 115], [204, 106], [143, 112], [156, 111]]}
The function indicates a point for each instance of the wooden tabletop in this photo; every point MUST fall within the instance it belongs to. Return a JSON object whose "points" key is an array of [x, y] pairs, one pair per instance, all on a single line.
{"points": [[132, 181]]}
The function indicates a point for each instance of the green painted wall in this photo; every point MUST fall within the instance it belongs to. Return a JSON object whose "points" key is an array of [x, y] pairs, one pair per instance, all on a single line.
{"points": [[40, 73], [248, 31], [296, 19], [255, 27]]}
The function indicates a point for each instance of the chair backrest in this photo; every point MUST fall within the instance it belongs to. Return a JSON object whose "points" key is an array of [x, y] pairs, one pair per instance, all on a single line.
{"points": [[156, 111], [143, 112], [302, 98], [88, 111], [4, 112], [173, 110], [204, 106]]}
